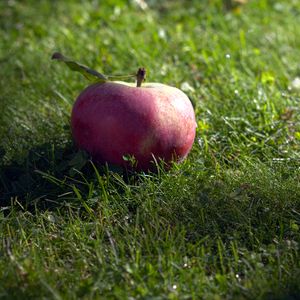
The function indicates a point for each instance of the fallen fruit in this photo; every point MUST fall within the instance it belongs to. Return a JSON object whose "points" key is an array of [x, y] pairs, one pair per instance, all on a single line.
{"points": [[113, 120]]}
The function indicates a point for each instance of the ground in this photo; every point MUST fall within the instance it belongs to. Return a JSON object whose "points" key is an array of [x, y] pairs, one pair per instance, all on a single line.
{"points": [[224, 224]]}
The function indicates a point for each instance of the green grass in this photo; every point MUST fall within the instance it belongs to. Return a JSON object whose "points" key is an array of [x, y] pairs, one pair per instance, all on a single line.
{"points": [[224, 224]]}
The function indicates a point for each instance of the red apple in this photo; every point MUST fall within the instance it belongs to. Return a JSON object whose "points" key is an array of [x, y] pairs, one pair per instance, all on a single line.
{"points": [[113, 119]]}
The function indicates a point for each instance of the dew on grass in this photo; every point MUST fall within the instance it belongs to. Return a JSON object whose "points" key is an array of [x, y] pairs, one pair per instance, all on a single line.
{"points": [[186, 87], [50, 218], [127, 219], [141, 4], [238, 277], [164, 69], [117, 11], [174, 286], [292, 244], [186, 266], [200, 142], [162, 33], [279, 159], [227, 56], [295, 84]]}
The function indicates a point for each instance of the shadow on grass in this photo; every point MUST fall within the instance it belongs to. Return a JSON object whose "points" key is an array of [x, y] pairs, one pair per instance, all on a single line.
{"points": [[46, 177], [40, 179]]}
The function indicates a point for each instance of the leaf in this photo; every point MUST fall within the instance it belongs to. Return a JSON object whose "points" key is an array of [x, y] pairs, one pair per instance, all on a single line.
{"points": [[90, 74], [79, 160], [297, 135], [294, 226], [267, 77]]}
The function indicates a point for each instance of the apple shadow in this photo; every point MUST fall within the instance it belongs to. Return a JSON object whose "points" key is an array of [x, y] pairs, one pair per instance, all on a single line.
{"points": [[41, 177], [47, 173]]}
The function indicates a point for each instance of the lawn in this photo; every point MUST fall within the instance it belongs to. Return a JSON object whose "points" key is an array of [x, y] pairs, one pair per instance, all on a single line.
{"points": [[224, 224]]}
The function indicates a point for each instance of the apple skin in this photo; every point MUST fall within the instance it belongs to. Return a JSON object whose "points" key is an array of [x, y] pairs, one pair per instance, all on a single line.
{"points": [[113, 119]]}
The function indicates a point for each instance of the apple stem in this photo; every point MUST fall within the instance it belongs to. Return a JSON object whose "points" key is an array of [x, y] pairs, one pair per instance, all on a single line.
{"points": [[140, 76]]}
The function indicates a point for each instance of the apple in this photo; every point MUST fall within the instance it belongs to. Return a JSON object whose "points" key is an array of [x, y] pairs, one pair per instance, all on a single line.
{"points": [[112, 120]]}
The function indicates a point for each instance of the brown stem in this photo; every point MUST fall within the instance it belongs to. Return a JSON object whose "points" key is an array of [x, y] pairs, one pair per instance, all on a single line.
{"points": [[140, 76]]}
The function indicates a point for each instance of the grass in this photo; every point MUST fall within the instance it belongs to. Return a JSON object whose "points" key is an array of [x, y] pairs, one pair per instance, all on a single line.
{"points": [[224, 224]]}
